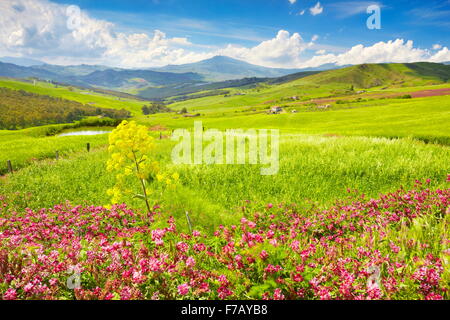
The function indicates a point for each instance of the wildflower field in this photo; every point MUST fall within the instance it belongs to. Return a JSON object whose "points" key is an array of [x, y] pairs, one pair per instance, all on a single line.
{"points": [[393, 247]]}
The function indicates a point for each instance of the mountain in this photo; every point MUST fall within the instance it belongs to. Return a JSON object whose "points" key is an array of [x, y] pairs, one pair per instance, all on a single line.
{"points": [[222, 68], [137, 78], [81, 70], [160, 93], [14, 71], [24, 62], [99, 76]]}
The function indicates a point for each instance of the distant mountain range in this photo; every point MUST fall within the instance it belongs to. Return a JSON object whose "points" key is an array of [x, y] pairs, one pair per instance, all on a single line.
{"points": [[216, 69], [212, 74], [222, 68]]}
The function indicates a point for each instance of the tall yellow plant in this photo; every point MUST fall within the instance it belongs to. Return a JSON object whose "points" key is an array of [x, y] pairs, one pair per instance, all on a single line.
{"points": [[130, 146]]}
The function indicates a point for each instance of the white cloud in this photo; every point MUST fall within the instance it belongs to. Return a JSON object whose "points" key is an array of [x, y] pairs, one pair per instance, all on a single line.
{"points": [[390, 51], [292, 1], [282, 51], [317, 9], [38, 29], [302, 12]]}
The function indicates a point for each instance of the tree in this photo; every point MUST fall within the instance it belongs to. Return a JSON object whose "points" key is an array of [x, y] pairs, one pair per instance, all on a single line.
{"points": [[145, 110]]}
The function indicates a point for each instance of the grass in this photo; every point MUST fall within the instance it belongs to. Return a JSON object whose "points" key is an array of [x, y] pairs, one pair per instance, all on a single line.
{"points": [[374, 145], [425, 119], [25, 147], [313, 169]]}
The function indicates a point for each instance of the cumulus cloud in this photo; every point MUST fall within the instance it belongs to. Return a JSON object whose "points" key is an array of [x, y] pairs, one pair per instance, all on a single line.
{"points": [[292, 1], [317, 9], [302, 12], [43, 29], [282, 51], [38, 29], [391, 51]]}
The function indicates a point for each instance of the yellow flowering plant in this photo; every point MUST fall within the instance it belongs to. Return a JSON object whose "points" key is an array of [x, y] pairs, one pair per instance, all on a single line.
{"points": [[130, 146]]}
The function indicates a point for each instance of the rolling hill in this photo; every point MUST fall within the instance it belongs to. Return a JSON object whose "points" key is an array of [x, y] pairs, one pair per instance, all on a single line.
{"points": [[373, 75]]}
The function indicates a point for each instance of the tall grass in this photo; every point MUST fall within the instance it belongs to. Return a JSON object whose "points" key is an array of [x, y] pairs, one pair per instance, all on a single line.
{"points": [[313, 170]]}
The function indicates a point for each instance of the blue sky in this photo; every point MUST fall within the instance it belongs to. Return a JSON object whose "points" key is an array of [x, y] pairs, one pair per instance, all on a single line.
{"points": [[239, 28], [217, 22]]}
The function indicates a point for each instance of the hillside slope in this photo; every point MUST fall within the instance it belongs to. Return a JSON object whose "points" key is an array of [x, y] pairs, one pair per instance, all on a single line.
{"points": [[373, 75]]}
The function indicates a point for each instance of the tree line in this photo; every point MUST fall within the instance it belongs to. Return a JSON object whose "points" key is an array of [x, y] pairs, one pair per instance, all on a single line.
{"points": [[155, 108]]}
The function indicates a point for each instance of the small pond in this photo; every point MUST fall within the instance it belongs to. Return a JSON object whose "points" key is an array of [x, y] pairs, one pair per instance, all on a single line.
{"points": [[83, 133]]}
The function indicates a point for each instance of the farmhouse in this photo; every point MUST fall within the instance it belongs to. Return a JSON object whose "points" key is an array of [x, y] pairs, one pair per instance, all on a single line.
{"points": [[276, 110], [324, 107]]}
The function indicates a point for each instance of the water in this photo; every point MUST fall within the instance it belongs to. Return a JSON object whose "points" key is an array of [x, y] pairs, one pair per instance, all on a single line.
{"points": [[83, 133]]}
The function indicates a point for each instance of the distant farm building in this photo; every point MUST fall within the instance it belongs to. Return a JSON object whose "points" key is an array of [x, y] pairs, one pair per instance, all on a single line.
{"points": [[324, 107], [276, 110]]}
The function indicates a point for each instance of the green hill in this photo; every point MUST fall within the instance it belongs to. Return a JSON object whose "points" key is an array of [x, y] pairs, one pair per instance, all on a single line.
{"points": [[373, 75]]}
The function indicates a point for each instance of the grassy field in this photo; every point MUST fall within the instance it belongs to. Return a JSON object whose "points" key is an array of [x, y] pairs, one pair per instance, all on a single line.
{"points": [[313, 169], [24, 147], [422, 118], [374, 144]]}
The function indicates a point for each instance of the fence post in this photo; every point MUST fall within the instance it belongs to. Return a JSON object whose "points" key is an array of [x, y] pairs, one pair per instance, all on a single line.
{"points": [[57, 155], [160, 136], [88, 146], [10, 168], [189, 221]]}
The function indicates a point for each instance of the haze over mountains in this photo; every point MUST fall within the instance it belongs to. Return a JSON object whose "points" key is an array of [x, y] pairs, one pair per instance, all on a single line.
{"points": [[216, 73], [216, 69]]}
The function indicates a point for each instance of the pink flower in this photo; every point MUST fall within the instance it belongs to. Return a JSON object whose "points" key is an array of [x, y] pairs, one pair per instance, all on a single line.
{"points": [[251, 225], [394, 248], [434, 296], [183, 247], [264, 255], [10, 294], [278, 295], [183, 289], [190, 262]]}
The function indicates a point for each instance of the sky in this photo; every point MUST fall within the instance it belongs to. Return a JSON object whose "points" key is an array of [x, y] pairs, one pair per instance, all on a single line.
{"points": [[271, 33]]}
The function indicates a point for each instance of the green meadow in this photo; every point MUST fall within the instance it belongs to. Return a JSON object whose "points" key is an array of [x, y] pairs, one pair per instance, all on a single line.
{"points": [[368, 142]]}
